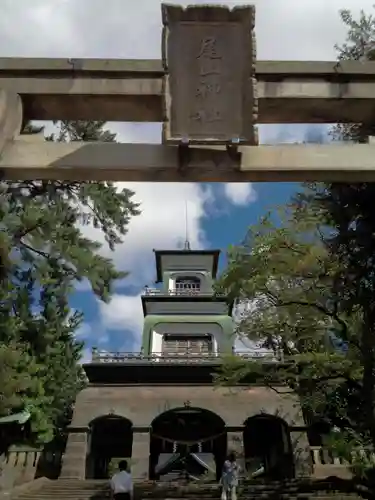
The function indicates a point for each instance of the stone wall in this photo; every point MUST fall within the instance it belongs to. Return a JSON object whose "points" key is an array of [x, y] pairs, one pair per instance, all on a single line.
{"points": [[141, 404], [75, 457], [22, 465]]}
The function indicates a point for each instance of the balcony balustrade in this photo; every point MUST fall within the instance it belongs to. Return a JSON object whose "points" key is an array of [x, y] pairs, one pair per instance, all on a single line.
{"points": [[325, 464], [184, 292], [179, 357]]}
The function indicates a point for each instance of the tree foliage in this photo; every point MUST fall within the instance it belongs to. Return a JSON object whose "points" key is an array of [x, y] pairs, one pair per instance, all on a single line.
{"points": [[44, 252], [290, 287], [359, 46], [282, 277], [348, 209], [308, 287]]}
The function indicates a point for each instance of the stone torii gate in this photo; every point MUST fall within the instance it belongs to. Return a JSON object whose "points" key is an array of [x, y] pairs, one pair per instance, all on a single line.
{"points": [[208, 91]]}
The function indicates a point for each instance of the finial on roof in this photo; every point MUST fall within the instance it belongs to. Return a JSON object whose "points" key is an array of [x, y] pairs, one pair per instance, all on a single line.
{"points": [[187, 242]]}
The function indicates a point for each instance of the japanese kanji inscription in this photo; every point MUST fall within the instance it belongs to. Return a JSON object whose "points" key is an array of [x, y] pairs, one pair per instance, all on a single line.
{"points": [[209, 87]]}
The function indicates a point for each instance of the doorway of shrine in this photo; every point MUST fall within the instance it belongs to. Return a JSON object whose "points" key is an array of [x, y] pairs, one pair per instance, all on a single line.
{"points": [[187, 443], [110, 437], [268, 448]]}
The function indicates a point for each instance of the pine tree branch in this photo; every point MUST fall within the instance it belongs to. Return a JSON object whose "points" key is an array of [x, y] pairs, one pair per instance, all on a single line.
{"points": [[93, 210], [32, 249], [21, 234]]}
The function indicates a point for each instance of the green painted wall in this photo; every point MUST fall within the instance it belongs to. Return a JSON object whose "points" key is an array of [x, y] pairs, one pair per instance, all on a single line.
{"points": [[225, 322]]}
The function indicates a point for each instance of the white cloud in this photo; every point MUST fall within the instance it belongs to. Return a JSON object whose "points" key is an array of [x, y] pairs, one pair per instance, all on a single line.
{"points": [[161, 225], [83, 332], [86, 355], [123, 313], [165, 207], [239, 193], [300, 30]]}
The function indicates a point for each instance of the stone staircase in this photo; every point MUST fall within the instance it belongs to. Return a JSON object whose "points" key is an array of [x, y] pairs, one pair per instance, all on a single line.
{"points": [[62, 489], [71, 489]]}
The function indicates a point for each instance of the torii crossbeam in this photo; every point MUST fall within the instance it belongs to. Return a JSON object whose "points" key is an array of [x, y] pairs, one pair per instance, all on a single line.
{"points": [[208, 91]]}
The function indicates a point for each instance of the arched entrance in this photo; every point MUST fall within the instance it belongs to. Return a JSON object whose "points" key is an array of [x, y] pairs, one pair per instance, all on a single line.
{"points": [[268, 448], [110, 437], [187, 442]]}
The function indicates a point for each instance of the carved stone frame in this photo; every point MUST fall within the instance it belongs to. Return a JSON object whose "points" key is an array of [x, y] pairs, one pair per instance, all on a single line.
{"points": [[242, 19]]}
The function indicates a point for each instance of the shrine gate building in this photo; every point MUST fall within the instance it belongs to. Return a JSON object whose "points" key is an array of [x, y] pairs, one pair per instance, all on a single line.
{"points": [[160, 407]]}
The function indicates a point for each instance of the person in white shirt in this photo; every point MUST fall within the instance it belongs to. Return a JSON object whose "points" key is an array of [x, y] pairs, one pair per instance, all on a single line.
{"points": [[122, 483]]}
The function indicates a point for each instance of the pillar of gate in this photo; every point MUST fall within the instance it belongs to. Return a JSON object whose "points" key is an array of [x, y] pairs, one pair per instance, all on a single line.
{"points": [[10, 117], [140, 455], [75, 456]]}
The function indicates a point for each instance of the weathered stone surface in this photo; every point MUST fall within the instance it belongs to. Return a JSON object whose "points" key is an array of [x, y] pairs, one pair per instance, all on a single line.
{"points": [[74, 459], [77, 438], [140, 455], [80, 161], [131, 90], [210, 88], [84, 490], [301, 451], [141, 404], [10, 116]]}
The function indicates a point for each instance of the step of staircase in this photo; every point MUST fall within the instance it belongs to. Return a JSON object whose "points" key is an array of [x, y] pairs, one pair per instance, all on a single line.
{"points": [[71, 489]]}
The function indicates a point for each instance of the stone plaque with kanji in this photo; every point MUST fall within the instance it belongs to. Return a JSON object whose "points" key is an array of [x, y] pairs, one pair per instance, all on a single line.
{"points": [[209, 58]]}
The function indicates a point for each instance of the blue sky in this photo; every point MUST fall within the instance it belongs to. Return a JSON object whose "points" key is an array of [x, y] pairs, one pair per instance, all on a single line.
{"points": [[218, 215], [223, 225]]}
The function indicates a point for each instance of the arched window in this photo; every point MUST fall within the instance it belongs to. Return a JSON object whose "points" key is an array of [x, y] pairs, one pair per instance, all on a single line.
{"points": [[188, 284]]}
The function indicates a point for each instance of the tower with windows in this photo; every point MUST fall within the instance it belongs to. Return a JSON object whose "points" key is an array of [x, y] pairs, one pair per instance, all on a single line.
{"points": [[160, 406], [183, 316]]}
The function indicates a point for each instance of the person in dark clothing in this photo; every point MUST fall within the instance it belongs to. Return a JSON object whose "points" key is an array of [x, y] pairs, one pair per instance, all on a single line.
{"points": [[122, 483]]}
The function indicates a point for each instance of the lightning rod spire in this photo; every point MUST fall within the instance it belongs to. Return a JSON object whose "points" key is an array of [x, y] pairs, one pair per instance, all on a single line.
{"points": [[187, 242]]}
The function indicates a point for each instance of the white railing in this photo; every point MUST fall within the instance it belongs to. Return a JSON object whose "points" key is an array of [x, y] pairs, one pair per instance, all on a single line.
{"points": [[30, 458], [324, 461], [321, 456], [183, 357], [177, 292]]}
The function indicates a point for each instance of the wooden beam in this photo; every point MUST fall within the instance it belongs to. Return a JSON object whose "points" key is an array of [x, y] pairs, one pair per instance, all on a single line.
{"points": [[25, 159], [131, 90]]}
